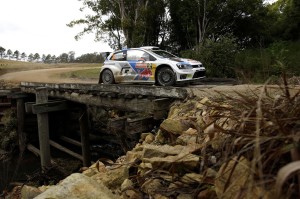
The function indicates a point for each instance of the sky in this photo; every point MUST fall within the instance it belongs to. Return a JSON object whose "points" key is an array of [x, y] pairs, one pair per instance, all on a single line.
{"points": [[39, 26]]}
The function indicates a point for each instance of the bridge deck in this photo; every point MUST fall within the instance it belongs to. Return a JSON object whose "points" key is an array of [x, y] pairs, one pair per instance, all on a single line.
{"points": [[145, 90], [152, 100]]}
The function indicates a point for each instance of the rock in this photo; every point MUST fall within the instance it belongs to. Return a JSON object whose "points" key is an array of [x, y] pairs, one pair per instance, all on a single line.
{"points": [[133, 156], [202, 103], [127, 184], [188, 137], [192, 178], [178, 163], [152, 186], [236, 179], [94, 169], [113, 178], [78, 186], [149, 138], [185, 196], [210, 173], [159, 196], [143, 136], [175, 126], [161, 150], [132, 194], [143, 168], [207, 194], [160, 138], [28, 192]]}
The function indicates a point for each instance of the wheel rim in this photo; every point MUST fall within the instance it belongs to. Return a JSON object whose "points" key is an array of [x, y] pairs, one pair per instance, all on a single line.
{"points": [[165, 77], [107, 77]]}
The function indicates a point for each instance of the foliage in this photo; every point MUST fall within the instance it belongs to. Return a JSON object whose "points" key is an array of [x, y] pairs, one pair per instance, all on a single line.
{"points": [[8, 135], [2, 52], [286, 19], [260, 64], [217, 55], [90, 58], [113, 21]]}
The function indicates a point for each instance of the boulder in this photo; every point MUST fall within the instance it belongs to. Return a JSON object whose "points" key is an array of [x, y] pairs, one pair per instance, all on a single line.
{"points": [[188, 137], [28, 192], [113, 178], [178, 163], [78, 186], [175, 126], [152, 186], [161, 150]]}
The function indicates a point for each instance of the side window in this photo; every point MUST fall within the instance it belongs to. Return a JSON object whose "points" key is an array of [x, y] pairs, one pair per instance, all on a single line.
{"points": [[136, 55], [119, 56]]}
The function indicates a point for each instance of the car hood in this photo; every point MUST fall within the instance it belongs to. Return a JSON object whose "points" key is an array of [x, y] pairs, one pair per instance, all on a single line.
{"points": [[190, 61]]}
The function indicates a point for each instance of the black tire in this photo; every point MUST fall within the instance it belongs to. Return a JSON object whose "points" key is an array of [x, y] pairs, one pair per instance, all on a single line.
{"points": [[107, 77], [166, 77]]}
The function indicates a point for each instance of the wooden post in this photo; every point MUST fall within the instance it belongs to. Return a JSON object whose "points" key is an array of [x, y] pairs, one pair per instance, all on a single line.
{"points": [[43, 127], [20, 123], [84, 131]]}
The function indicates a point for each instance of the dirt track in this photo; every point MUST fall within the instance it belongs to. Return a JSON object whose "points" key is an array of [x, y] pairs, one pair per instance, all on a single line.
{"points": [[44, 75]]}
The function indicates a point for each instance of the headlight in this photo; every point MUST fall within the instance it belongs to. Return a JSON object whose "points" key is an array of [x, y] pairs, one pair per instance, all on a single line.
{"points": [[184, 66]]}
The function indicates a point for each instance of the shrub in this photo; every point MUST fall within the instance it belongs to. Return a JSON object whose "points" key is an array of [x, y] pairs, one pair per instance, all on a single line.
{"points": [[217, 55]]}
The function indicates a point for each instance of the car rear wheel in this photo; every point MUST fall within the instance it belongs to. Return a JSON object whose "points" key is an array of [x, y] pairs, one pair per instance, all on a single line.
{"points": [[166, 77], [107, 77]]}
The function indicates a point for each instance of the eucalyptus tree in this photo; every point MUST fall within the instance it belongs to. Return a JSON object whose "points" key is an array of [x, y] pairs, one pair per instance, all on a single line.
{"points": [[122, 22], [16, 54], [9, 53], [53, 59], [43, 58], [30, 57], [2, 51], [48, 59], [36, 57], [192, 21], [64, 58], [71, 56], [23, 55]]}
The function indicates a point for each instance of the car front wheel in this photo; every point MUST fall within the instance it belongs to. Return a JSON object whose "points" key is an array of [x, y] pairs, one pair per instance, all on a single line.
{"points": [[166, 77], [107, 77]]}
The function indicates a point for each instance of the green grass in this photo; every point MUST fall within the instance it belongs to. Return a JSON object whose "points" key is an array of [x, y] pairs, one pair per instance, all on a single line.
{"points": [[83, 74]]}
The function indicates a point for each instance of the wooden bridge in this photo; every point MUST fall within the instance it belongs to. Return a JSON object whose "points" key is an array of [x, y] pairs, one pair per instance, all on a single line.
{"points": [[44, 100]]}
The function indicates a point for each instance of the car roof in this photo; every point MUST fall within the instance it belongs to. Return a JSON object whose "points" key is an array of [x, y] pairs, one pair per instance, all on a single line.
{"points": [[150, 47]]}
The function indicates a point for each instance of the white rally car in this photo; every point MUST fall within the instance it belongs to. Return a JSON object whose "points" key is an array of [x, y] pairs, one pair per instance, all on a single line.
{"points": [[149, 65]]}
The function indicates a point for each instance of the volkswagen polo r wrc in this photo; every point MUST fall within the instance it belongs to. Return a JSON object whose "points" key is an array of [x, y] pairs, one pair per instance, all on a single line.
{"points": [[149, 65]]}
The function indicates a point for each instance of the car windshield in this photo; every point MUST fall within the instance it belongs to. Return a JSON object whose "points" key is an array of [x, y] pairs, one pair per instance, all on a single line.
{"points": [[163, 54]]}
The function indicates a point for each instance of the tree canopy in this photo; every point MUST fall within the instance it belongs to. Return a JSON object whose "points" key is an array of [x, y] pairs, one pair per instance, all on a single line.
{"points": [[184, 24]]}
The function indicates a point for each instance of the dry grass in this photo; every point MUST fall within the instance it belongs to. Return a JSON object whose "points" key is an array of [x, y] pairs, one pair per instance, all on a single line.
{"points": [[10, 65], [265, 130]]}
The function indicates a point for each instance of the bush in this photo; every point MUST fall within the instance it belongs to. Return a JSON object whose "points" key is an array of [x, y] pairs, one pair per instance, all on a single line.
{"points": [[217, 55], [8, 135], [258, 65]]}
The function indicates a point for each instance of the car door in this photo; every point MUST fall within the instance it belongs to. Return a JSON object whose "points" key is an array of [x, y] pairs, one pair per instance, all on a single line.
{"points": [[141, 65]]}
